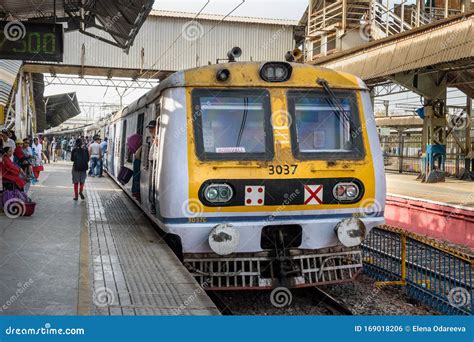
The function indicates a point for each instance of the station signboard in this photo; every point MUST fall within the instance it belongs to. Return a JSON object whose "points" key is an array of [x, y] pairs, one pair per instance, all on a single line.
{"points": [[22, 40]]}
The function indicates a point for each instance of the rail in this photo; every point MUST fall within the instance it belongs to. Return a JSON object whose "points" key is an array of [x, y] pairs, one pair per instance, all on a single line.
{"points": [[387, 21], [433, 273], [325, 17], [423, 19]]}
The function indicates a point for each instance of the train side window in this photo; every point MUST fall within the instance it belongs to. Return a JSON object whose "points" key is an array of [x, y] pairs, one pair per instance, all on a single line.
{"points": [[140, 123], [123, 142]]}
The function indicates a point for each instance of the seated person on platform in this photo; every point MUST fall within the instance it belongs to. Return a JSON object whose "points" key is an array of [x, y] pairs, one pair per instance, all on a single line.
{"points": [[11, 172]]}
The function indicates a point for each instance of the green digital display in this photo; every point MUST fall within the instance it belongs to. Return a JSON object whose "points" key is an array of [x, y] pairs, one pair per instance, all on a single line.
{"points": [[27, 41]]}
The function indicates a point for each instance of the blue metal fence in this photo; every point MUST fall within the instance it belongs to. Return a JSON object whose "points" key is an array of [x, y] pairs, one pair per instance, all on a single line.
{"points": [[433, 273]]}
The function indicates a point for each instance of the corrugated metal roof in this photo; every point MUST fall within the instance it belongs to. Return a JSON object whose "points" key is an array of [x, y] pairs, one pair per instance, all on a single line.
{"points": [[218, 17], [443, 41], [161, 49], [8, 72]]}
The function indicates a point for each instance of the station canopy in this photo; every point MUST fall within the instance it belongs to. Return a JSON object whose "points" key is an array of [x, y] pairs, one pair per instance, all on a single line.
{"points": [[116, 22], [60, 108]]}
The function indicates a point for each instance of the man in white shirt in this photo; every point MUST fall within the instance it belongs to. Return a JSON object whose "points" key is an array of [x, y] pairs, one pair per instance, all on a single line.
{"points": [[7, 141], [38, 151], [95, 153]]}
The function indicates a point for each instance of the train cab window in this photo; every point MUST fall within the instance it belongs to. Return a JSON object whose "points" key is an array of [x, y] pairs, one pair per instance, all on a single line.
{"points": [[324, 128], [232, 124]]}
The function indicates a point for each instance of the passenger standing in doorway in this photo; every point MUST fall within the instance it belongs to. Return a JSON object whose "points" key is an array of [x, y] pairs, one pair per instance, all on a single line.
{"points": [[95, 153], [80, 159], [153, 129], [103, 161]]}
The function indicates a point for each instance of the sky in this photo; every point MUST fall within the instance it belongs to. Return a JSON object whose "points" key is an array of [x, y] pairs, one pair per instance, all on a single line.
{"points": [[279, 9]]}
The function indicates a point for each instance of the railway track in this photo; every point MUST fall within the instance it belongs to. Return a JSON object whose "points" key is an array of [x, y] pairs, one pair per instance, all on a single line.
{"points": [[333, 305]]}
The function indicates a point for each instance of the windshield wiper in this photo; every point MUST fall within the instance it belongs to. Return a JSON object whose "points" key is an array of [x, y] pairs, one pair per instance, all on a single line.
{"points": [[244, 120], [336, 105]]}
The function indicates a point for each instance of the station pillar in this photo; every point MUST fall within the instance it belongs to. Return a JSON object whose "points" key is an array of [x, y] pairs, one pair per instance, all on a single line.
{"points": [[434, 141]]}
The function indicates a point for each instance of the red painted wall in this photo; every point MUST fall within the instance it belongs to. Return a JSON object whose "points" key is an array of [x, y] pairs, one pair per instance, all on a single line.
{"points": [[438, 221]]}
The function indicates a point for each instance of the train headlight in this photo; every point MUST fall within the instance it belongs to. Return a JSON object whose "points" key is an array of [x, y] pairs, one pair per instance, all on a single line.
{"points": [[350, 232], [346, 191], [218, 193], [223, 75], [223, 239], [275, 71]]}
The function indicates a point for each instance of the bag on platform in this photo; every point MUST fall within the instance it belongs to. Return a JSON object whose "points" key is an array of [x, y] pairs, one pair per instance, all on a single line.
{"points": [[125, 174]]}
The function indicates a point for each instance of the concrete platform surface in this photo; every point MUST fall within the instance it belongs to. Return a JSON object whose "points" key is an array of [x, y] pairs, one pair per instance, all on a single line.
{"points": [[453, 191], [100, 256]]}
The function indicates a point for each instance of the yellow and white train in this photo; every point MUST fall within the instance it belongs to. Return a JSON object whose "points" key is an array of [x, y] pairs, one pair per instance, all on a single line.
{"points": [[265, 174]]}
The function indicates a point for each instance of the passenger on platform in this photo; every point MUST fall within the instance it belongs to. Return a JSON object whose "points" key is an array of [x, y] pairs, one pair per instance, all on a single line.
{"points": [[95, 153], [28, 156], [64, 143], [46, 150], [55, 149], [7, 141], [80, 159], [103, 162], [71, 144], [12, 172], [38, 151]]}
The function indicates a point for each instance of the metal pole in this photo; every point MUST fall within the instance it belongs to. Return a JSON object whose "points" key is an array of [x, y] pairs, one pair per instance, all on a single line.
{"points": [[417, 21], [402, 15], [446, 8], [344, 15]]}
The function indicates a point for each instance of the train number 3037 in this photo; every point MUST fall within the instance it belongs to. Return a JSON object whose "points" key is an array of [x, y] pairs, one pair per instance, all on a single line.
{"points": [[282, 169]]}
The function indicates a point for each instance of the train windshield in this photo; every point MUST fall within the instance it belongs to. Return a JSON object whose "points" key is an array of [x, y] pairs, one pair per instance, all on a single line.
{"points": [[232, 124], [325, 126]]}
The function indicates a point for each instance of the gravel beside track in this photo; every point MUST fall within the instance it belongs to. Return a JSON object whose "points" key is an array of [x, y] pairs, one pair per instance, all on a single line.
{"points": [[361, 297]]}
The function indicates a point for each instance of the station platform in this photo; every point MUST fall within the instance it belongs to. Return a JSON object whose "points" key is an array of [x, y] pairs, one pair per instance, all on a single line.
{"points": [[100, 256], [443, 211]]}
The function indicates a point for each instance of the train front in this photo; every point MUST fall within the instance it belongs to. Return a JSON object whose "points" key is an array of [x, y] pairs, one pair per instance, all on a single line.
{"points": [[285, 175]]}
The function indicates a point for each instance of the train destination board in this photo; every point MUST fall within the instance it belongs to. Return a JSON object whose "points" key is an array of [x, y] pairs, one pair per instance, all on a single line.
{"points": [[23, 40]]}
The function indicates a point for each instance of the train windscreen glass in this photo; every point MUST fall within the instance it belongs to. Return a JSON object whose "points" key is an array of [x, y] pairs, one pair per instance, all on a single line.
{"points": [[325, 128], [232, 124]]}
